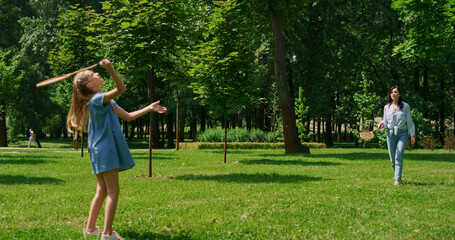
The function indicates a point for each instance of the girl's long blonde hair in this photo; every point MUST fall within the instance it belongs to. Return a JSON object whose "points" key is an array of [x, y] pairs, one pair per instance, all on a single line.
{"points": [[78, 115]]}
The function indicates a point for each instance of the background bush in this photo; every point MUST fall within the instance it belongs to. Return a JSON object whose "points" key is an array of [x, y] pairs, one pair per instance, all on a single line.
{"points": [[237, 135]]}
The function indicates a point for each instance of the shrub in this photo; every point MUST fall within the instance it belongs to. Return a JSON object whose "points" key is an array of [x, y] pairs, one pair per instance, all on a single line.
{"points": [[449, 140], [242, 145], [428, 142], [237, 135]]}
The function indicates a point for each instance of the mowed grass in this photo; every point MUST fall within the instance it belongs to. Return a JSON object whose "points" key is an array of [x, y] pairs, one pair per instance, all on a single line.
{"points": [[260, 194]]}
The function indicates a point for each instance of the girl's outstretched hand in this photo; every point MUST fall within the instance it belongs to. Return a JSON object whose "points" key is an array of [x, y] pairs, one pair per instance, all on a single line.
{"points": [[156, 107]]}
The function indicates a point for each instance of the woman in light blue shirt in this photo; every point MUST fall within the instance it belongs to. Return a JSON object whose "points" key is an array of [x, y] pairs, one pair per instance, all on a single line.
{"points": [[398, 121]]}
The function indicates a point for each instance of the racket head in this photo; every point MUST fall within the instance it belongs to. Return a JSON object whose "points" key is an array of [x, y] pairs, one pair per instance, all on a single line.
{"points": [[366, 135]]}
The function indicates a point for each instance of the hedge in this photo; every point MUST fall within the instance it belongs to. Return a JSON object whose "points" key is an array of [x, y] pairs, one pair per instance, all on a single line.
{"points": [[241, 145]]}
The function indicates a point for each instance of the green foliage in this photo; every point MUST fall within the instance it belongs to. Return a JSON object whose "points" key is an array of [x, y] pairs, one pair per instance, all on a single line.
{"points": [[222, 60], [10, 75], [368, 108], [301, 111]]}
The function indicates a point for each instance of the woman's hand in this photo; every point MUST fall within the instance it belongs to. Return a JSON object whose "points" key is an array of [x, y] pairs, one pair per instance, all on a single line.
{"points": [[380, 125], [104, 63], [413, 140], [156, 107]]}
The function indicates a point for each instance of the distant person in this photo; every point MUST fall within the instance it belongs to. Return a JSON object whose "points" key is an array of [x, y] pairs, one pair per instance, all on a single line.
{"points": [[32, 138], [109, 152], [398, 121]]}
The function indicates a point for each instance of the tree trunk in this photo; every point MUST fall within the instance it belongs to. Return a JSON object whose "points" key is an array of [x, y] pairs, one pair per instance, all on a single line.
{"points": [[156, 132], [225, 139], [193, 126], [181, 126], [328, 139], [416, 80], [163, 131], [131, 131], [170, 132], [425, 90], [319, 131], [291, 139], [177, 120], [3, 135], [260, 117], [203, 119], [248, 119], [441, 112]]}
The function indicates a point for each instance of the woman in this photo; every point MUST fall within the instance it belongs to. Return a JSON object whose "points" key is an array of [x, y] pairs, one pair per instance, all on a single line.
{"points": [[398, 120]]}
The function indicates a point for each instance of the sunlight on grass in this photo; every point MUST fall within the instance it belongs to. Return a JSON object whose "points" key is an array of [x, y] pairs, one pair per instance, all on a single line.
{"points": [[261, 194]]}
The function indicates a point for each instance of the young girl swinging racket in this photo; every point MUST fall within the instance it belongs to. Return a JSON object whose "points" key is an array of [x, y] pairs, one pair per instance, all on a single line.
{"points": [[109, 153]]}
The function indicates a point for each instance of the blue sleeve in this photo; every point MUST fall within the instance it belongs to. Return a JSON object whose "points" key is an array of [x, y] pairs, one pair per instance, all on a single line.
{"points": [[114, 104], [96, 105], [384, 119]]}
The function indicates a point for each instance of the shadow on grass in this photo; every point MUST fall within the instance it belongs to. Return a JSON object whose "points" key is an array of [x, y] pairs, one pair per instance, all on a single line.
{"points": [[425, 184], [21, 159], [287, 162], [20, 179], [25, 161], [150, 235], [355, 156], [250, 178]]}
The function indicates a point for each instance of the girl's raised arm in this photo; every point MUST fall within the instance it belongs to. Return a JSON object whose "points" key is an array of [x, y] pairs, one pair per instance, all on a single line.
{"points": [[119, 85]]}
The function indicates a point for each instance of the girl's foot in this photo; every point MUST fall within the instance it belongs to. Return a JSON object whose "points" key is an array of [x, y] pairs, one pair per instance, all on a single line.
{"points": [[95, 232], [114, 235], [397, 183]]}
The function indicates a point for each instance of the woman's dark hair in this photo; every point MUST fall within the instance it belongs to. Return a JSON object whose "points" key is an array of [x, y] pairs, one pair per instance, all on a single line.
{"points": [[389, 99]]}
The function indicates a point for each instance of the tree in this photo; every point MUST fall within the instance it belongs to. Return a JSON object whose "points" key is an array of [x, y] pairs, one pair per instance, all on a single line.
{"points": [[291, 138], [220, 73], [10, 77]]}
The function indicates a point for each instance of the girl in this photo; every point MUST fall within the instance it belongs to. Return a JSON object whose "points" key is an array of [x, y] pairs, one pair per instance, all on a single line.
{"points": [[109, 152], [398, 120]]}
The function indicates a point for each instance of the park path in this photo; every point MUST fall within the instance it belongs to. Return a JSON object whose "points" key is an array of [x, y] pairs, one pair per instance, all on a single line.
{"points": [[59, 150]]}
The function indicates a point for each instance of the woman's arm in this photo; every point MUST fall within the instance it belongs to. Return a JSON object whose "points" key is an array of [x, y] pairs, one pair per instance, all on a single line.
{"points": [[411, 125], [129, 116], [384, 119], [119, 85]]}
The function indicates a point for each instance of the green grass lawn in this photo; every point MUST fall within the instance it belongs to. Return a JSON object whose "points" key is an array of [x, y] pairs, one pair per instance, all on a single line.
{"points": [[261, 194]]}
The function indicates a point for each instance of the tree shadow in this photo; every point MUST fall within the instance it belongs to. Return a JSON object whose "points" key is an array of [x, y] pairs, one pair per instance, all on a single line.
{"points": [[287, 162], [355, 156], [151, 235], [424, 184], [20, 179], [25, 161], [250, 178]]}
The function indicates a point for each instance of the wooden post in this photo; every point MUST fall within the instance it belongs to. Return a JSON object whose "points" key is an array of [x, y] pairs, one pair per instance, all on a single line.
{"points": [[82, 144], [150, 145]]}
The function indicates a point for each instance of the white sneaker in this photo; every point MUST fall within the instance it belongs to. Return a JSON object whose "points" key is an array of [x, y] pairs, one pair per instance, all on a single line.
{"points": [[95, 232], [114, 235]]}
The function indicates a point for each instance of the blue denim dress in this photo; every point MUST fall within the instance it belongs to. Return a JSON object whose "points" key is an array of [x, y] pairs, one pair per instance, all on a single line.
{"points": [[107, 145]]}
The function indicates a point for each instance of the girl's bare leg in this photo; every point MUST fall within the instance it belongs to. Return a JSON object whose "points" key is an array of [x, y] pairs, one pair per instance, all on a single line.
{"points": [[113, 189], [97, 203]]}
